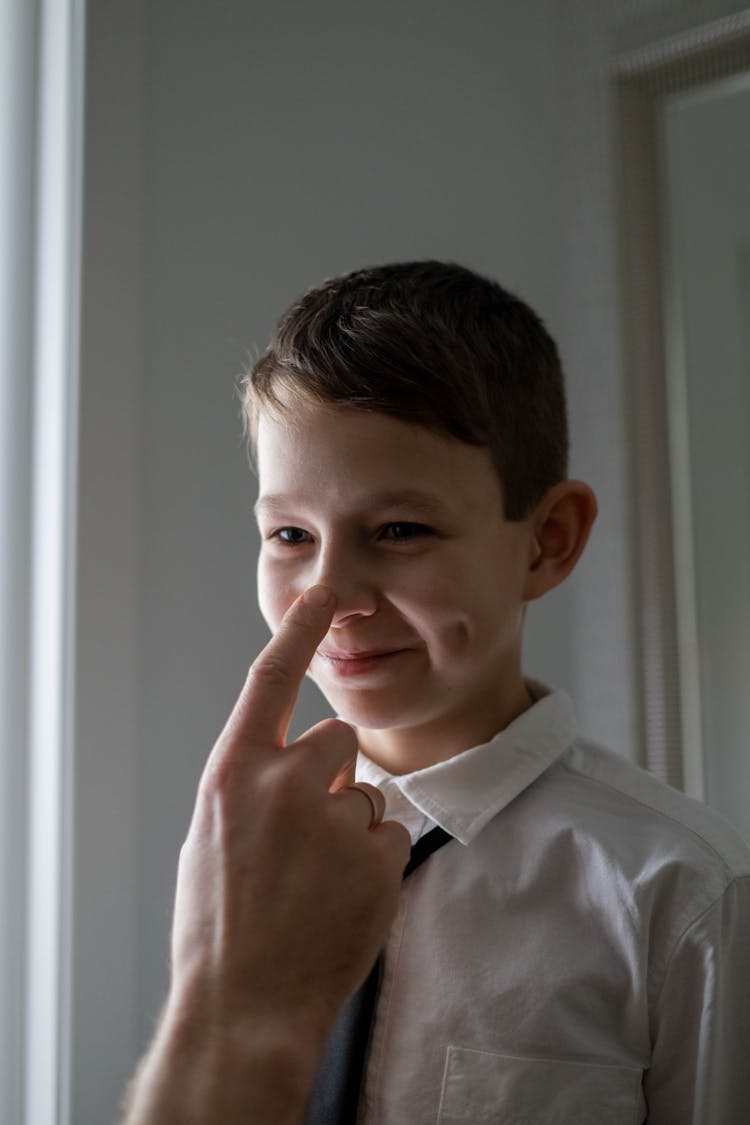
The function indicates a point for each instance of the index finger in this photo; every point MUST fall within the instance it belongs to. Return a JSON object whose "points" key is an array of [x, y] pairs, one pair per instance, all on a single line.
{"points": [[265, 704]]}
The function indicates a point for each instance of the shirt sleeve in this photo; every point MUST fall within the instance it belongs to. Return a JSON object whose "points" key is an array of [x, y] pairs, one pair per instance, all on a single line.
{"points": [[700, 1066]]}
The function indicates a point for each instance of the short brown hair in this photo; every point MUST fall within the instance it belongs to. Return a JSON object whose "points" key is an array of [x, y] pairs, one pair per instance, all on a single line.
{"points": [[435, 344]]}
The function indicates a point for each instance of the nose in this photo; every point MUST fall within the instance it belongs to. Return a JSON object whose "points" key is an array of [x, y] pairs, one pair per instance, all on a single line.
{"points": [[352, 578]]}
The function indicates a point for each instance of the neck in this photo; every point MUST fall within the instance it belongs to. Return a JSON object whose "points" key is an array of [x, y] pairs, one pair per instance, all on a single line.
{"points": [[401, 750]]}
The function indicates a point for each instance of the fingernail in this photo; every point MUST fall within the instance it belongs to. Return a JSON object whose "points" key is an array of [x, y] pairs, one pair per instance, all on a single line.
{"points": [[318, 596]]}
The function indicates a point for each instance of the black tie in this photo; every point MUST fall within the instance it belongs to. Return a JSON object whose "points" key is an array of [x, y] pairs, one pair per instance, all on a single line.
{"points": [[335, 1094]]}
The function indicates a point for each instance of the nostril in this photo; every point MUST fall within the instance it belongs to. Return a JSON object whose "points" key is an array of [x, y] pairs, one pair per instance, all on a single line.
{"points": [[346, 613]]}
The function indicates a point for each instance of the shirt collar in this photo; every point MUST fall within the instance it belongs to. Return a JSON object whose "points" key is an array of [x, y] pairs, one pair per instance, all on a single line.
{"points": [[465, 792]]}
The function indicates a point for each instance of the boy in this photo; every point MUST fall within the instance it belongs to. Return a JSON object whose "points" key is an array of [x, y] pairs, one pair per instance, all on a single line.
{"points": [[579, 952]]}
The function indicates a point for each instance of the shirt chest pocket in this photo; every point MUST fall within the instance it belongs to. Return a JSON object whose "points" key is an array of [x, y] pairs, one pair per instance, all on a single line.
{"points": [[480, 1088]]}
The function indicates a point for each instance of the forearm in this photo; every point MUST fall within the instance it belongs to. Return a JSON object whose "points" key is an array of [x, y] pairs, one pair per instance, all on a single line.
{"points": [[254, 1075]]}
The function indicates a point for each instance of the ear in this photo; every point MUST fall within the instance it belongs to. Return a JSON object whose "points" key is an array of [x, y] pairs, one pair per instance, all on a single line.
{"points": [[560, 528]]}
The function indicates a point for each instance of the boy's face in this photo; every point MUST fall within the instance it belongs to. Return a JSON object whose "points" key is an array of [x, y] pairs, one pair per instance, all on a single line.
{"points": [[406, 526]]}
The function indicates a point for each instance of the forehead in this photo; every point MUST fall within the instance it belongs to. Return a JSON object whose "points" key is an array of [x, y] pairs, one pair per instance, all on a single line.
{"points": [[317, 452]]}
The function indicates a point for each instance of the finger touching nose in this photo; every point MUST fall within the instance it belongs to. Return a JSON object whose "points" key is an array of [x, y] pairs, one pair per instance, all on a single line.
{"points": [[264, 708], [354, 586]]}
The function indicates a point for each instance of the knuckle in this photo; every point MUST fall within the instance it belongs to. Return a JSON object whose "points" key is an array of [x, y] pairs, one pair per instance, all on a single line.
{"points": [[270, 670], [185, 853], [215, 778], [394, 844], [225, 781], [338, 729]]}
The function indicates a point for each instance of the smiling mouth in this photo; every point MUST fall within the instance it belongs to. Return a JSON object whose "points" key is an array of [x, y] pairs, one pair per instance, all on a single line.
{"points": [[354, 663]]}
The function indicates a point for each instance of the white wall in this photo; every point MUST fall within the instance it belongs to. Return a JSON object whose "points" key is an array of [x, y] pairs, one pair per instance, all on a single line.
{"points": [[237, 153], [107, 804]]}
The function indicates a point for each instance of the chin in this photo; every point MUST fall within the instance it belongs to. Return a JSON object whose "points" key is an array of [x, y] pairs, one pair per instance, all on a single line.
{"points": [[371, 711]]}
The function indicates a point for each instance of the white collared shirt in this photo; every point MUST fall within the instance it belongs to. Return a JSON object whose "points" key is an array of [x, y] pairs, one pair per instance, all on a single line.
{"points": [[579, 955]]}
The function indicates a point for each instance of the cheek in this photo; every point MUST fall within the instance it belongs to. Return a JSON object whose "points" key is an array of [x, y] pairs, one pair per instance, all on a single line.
{"points": [[276, 592], [439, 607], [455, 610]]}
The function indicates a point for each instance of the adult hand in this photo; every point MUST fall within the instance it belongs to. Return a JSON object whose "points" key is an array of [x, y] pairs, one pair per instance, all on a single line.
{"points": [[284, 897]]}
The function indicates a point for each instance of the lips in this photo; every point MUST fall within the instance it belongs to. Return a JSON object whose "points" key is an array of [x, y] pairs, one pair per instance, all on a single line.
{"points": [[361, 663]]}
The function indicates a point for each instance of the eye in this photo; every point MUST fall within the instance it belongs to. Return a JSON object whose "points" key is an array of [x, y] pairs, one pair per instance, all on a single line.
{"points": [[290, 536], [402, 532]]}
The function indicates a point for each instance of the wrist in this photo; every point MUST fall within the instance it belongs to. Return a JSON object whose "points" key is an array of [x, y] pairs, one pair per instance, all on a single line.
{"points": [[250, 1069]]}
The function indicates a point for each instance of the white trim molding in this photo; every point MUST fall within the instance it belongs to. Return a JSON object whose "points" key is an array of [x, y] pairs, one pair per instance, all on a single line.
{"points": [[665, 593], [59, 135]]}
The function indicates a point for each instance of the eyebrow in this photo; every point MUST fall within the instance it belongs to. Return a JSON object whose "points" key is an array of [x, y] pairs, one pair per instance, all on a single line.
{"points": [[402, 498]]}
